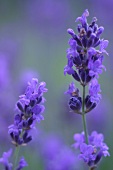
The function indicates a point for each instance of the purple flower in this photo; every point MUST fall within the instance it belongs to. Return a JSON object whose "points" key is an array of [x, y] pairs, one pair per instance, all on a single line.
{"points": [[94, 91], [87, 153], [84, 61], [83, 18], [79, 138], [75, 104], [30, 108], [94, 96], [34, 90], [4, 160], [96, 67], [72, 90], [103, 45], [37, 111], [22, 164], [84, 64], [68, 70], [92, 152]]}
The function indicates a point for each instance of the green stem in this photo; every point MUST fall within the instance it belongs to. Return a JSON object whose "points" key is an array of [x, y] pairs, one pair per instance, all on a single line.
{"points": [[16, 154], [83, 115]]}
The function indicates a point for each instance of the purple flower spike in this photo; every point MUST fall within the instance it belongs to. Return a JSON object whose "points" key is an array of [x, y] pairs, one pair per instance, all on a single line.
{"points": [[4, 160], [92, 152], [30, 109], [84, 61], [85, 64]]}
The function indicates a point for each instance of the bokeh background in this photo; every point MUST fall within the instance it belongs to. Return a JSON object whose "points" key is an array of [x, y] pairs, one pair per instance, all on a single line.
{"points": [[33, 43]]}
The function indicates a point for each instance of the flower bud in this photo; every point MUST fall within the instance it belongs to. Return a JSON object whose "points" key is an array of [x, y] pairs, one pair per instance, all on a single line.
{"points": [[75, 103]]}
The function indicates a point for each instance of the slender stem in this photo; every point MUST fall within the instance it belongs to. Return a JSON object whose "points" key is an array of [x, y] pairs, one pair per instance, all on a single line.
{"points": [[16, 154], [83, 115]]}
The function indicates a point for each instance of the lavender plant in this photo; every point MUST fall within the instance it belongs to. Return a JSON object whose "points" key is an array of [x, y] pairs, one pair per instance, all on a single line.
{"points": [[29, 110], [84, 63]]}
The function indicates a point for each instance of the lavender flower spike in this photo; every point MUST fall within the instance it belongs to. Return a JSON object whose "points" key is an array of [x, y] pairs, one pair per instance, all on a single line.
{"points": [[29, 110], [85, 62], [93, 152]]}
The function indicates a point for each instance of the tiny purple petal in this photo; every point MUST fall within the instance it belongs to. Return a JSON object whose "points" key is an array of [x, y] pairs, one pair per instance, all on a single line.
{"points": [[83, 18], [71, 32], [103, 45]]}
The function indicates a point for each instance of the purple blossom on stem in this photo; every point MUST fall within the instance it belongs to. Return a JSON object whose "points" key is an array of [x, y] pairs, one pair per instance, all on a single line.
{"points": [[84, 61], [92, 152], [29, 110]]}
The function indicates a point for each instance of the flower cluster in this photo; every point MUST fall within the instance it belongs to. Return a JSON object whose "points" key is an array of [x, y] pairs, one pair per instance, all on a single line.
{"points": [[84, 61], [29, 110], [92, 152], [9, 166]]}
